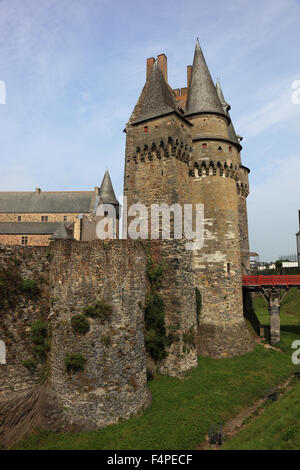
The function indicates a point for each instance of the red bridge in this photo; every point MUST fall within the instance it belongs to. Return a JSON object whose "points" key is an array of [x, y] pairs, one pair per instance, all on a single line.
{"points": [[271, 281]]}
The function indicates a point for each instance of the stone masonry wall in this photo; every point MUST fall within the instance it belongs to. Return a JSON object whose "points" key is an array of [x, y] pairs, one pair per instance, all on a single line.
{"points": [[178, 293], [113, 383], [18, 311]]}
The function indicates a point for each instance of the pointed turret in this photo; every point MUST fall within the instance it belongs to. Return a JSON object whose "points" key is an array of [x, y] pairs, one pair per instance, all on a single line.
{"points": [[158, 99], [203, 97], [106, 193], [231, 131], [61, 233], [226, 107]]}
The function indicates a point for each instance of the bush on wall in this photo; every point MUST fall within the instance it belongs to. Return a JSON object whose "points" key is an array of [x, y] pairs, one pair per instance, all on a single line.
{"points": [[80, 324], [100, 309], [74, 362], [156, 339]]}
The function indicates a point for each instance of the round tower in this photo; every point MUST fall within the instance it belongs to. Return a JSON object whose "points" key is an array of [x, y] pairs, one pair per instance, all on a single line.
{"points": [[242, 183], [214, 174]]}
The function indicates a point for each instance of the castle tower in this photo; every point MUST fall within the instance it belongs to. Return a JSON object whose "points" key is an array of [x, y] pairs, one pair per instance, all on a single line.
{"points": [[242, 187], [158, 144], [214, 172]]}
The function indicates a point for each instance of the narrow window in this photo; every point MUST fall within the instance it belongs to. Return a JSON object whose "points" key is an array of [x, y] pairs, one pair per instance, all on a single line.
{"points": [[204, 146], [44, 218], [65, 218], [19, 218], [146, 129], [24, 240], [230, 149], [105, 214], [228, 268]]}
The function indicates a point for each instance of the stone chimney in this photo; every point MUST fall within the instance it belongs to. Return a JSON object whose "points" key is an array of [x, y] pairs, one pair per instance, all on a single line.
{"points": [[163, 64], [150, 63]]}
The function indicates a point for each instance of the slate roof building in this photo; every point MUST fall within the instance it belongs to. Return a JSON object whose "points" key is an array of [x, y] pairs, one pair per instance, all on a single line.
{"points": [[37, 217]]}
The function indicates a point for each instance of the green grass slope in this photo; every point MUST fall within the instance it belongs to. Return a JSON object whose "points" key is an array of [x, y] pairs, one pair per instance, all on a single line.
{"points": [[182, 410], [278, 428]]}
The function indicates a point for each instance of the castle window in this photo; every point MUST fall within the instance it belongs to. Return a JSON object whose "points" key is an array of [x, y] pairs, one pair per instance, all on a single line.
{"points": [[220, 148], [105, 214], [19, 218], [44, 218], [230, 149], [204, 146], [65, 218], [24, 240], [228, 268], [146, 129]]}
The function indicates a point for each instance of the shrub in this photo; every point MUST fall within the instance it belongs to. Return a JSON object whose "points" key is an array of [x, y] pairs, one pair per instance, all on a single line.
{"points": [[156, 345], [156, 339], [39, 335], [40, 350], [80, 324], [30, 364], [39, 332], [100, 310], [74, 362], [30, 287]]}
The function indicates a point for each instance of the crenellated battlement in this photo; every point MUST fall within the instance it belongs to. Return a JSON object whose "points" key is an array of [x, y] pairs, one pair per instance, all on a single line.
{"points": [[164, 148]]}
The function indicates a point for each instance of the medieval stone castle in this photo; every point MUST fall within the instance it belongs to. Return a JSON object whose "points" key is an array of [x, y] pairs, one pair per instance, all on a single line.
{"points": [[181, 147]]}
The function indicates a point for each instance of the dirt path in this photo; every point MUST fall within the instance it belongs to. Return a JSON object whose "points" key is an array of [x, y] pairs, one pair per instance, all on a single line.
{"points": [[235, 425]]}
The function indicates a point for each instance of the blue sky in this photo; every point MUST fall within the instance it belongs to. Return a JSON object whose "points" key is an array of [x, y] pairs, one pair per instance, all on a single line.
{"points": [[74, 69]]}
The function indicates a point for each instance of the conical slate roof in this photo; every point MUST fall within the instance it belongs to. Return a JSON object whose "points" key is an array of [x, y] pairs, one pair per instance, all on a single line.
{"points": [[61, 233], [158, 99], [107, 194], [231, 131], [226, 107], [202, 96]]}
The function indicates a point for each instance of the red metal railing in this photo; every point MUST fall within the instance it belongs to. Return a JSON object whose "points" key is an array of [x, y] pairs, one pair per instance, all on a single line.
{"points": [[258, 281]]}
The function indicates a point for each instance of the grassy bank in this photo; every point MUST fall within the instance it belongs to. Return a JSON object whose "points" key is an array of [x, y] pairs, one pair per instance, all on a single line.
{"points": [[278, 428], [182, 411]]}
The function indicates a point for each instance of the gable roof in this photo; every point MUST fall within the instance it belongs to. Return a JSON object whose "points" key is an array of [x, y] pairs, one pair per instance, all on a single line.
{"points": [[46, 202], [61, 233], [28, 228]]}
